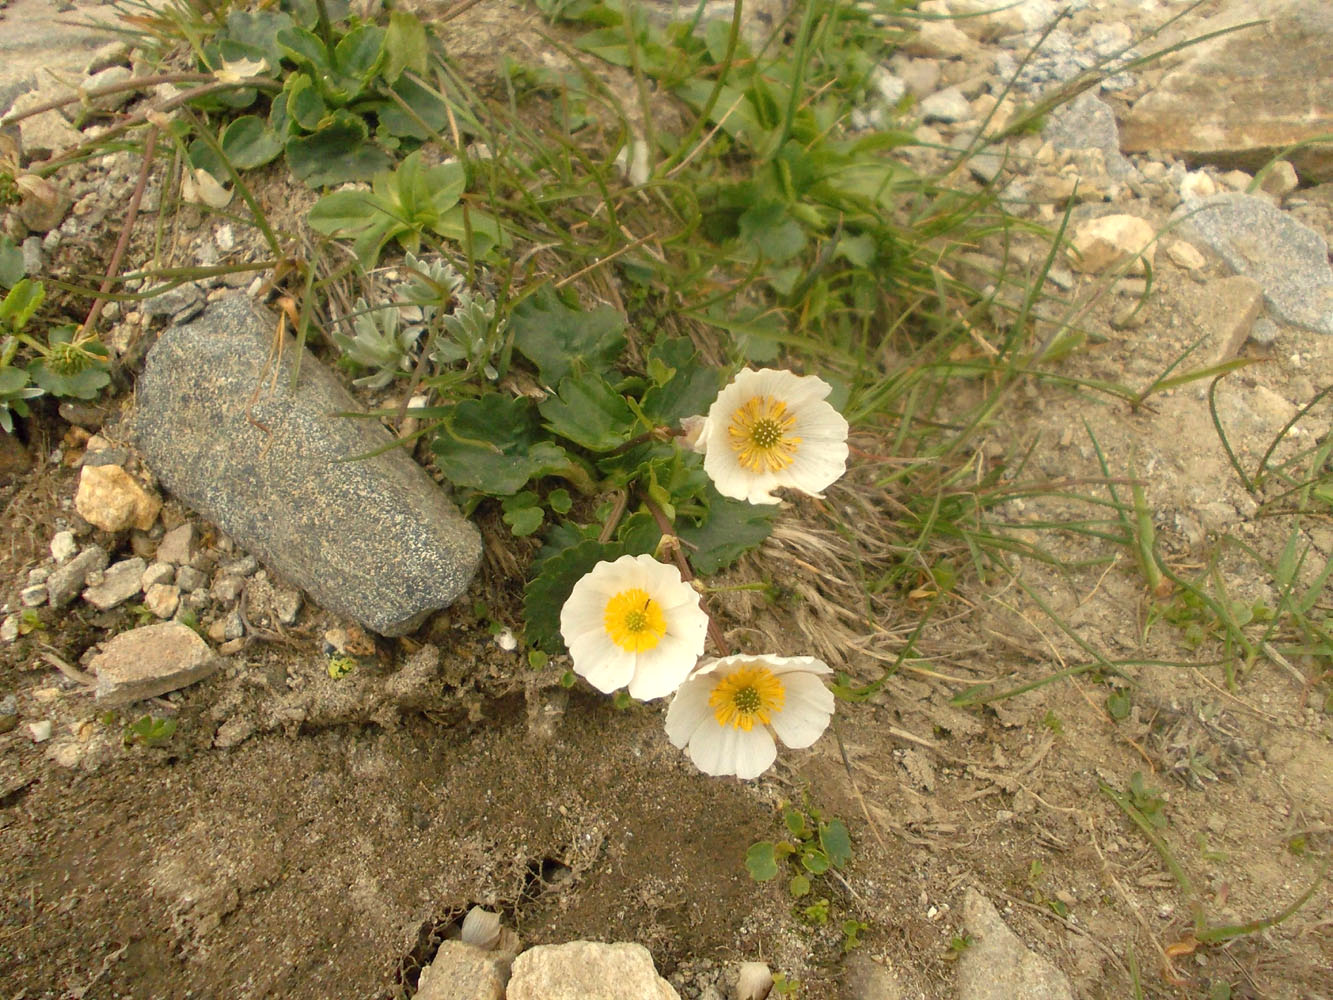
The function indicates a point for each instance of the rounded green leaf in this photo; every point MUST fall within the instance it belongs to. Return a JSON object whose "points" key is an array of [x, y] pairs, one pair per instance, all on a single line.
{"points": [[836, 842], [815, 861], [799, 886], [248, 142], [760, 861]]}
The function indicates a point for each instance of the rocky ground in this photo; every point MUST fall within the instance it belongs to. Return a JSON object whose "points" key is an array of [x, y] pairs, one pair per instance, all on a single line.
{"points": [[310, 810]]}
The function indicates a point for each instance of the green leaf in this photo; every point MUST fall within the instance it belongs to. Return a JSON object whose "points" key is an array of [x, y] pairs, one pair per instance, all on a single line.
{"points": [[773, 231], [552, 582], [21, 302], [690, 389], [523, 513], [80, 372], [836, 842], [405, 46], [11, 263], [304, 48], [357, 58], [562, 341], [815, 861], [338, 152], [559, 501], [248, 142], [14, 392], [303, 104], [257, 31], [799, 886], [459, 223], [1119, 705], [492, 445], [732, 528], [795, 822], [306, 12], [859, 250], [589, 412], [761, 862], [426, 105]]}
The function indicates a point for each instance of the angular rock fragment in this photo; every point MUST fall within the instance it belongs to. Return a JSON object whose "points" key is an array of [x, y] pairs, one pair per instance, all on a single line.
{"points": [[150, 661], [588, 970], [64, 584], [119, 583], [111, 499]]}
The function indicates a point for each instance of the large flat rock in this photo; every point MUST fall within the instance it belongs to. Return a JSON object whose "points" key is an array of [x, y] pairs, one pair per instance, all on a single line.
{"points": [[1241, 99], [375, 539]]}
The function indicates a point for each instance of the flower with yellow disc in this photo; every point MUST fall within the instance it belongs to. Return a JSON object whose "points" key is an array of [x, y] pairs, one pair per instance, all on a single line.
{"points": [[634, 623], [770, 429], [726, 714]]}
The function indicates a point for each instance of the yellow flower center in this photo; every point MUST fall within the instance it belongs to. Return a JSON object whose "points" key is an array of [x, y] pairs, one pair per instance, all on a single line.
{"points": [[759, 435], [747, 696], [634, 621]]}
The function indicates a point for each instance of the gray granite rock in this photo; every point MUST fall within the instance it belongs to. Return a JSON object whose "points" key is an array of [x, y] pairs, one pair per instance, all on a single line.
{"points": [[1087, 122], [1288, 259], [375, 539], [948, 105]]}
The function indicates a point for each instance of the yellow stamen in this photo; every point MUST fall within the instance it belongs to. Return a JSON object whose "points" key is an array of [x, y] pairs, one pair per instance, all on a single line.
{"points": [[758, 433], [634, 621], [747, 696]]}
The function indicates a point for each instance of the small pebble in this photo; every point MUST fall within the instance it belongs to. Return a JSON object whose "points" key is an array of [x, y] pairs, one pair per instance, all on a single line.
{"points": [[64, 546], [34, 596], [41, 731]]}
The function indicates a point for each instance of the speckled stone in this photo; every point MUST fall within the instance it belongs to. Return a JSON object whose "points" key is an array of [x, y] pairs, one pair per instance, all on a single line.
{"points": [[1287, 258], [374, 540]]}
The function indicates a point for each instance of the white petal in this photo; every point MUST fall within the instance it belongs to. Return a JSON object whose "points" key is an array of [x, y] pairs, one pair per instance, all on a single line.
{"points": [[721, 750], [805, 713], [606, 669], [729, 479], [662, 670], [788, 664], [689, 710]]}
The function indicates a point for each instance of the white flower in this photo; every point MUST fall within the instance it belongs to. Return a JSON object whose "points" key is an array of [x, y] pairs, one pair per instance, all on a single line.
{"points": [[769, 429], [724, 712], [241, 69], [634, 622]]}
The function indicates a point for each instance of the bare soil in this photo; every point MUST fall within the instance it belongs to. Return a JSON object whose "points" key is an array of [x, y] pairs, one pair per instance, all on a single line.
{"points": [[306, 837]]}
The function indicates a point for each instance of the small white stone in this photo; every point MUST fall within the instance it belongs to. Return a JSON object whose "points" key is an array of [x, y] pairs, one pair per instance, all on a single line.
{"points": [[34, 596], [1185, 255], [506, 641], [40, 731], [64, 546], [1195, 185]]}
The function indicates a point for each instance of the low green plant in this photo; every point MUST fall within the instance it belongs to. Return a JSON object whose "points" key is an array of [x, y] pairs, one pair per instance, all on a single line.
{"points": [[813, 848], [351, 96], [150, 731], [403, 204], [62, 363]]}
